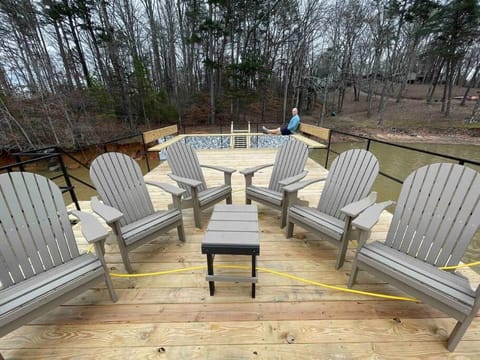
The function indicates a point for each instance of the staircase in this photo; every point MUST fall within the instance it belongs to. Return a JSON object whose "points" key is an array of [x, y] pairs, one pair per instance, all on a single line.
{"points": [[239, 137]]}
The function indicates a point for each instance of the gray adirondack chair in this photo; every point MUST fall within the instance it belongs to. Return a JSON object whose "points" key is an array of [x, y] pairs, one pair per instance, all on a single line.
{"points": [[40, 263], [343, 197], [187, 172], [437, 214], [288, 168], [127, 207]]}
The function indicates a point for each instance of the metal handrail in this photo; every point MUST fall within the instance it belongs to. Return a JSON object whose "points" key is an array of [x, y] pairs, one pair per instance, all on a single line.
{"points": [[39, 155], [369, 140]]}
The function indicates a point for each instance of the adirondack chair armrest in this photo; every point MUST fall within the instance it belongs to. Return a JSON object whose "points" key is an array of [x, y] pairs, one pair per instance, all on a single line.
{"points": [[293, 179], [171, 189], [92, 230], [219, 168], [227, 172], [355, 208], [367, 219], [107, 213], [252, 170], [186, 181], [301, 184]]}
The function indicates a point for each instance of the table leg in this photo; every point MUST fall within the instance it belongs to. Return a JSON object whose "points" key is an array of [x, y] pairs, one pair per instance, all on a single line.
{"points": [[254, 273], [211, 284]]}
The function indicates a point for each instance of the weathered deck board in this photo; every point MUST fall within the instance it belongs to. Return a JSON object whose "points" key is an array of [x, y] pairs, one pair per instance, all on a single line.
{"points": [[355, 350], [173, 316]]}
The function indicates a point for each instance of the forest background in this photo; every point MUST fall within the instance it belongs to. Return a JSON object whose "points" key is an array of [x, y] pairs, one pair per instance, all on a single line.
{"points": [[80, 72]]}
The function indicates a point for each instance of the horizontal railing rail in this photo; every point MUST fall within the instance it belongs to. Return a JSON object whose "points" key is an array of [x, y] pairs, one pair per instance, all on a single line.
{"points": [[46, 154], [369, 141]]}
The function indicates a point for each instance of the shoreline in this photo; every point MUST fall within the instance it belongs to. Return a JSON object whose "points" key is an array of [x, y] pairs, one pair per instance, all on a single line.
{"points": [[430, 139], [458, 138]]}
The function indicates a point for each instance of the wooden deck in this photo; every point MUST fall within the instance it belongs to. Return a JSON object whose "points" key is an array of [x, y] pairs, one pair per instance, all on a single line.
{"points": [[173, 317]]}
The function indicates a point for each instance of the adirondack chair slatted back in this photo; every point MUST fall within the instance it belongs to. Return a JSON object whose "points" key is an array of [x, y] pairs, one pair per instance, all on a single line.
{"points": [[289, 161], [119, 182], [35, 232], [183, 162], [350, 179], [437, 213]]}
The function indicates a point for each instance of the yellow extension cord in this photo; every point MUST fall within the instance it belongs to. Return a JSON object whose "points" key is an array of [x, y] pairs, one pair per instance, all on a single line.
{"points": [[311, 282], [288, 276]]}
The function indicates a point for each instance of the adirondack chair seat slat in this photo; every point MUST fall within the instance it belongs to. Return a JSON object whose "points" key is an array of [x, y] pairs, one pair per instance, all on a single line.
{"points": [[347, 187], [265, 195], [315, 219], [150, 225], [45, 278], [419, 277], [47, 286], [213, 195]]}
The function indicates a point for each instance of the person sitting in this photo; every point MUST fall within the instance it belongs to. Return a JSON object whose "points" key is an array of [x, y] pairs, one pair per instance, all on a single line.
{"points": [[289, 129]]}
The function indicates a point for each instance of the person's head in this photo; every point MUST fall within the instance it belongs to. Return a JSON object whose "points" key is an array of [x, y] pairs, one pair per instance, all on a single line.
{"points": [[294, 111]]}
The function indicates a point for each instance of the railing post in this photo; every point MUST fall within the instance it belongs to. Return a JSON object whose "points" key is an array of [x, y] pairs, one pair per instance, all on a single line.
{"points": [[67, 178], [18, 159], [145, 151], [329, 144]]}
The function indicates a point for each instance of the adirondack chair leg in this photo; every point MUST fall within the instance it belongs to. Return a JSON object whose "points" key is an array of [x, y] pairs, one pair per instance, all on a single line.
{"points": [[283, 216], [1, 357], [122, 248], [111, 290], [289, 232], [125, 259], [181, 232], [458, 332], [362, 239], [341, 253], [197, 216], [353, 274], [228, 181], [100, 251], [343, 243]]}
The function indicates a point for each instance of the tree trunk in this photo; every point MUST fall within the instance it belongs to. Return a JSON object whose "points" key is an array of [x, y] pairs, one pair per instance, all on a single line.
{"points": [[433, 85], [78, 46], [155, 48], [5, 84], [63, 55], [470, 83], [119, 91], [10, 117], [451, 81]]}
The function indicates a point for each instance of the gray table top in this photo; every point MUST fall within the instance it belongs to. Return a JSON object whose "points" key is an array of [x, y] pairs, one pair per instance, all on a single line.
{"points": [[233, 226]]}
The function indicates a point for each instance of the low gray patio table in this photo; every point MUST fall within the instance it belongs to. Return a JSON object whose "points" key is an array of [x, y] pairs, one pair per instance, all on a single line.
{"points": [[232, 230]]}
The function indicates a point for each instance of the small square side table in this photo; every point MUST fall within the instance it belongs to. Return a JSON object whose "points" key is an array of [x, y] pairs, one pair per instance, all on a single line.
{"points": [[232, 230]]}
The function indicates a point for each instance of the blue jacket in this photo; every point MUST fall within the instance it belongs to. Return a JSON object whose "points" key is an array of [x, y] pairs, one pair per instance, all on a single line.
{"points": [[294, 123]]}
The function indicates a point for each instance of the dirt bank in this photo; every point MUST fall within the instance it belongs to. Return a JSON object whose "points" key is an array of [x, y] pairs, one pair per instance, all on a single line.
{"points": [[439, 136]]}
